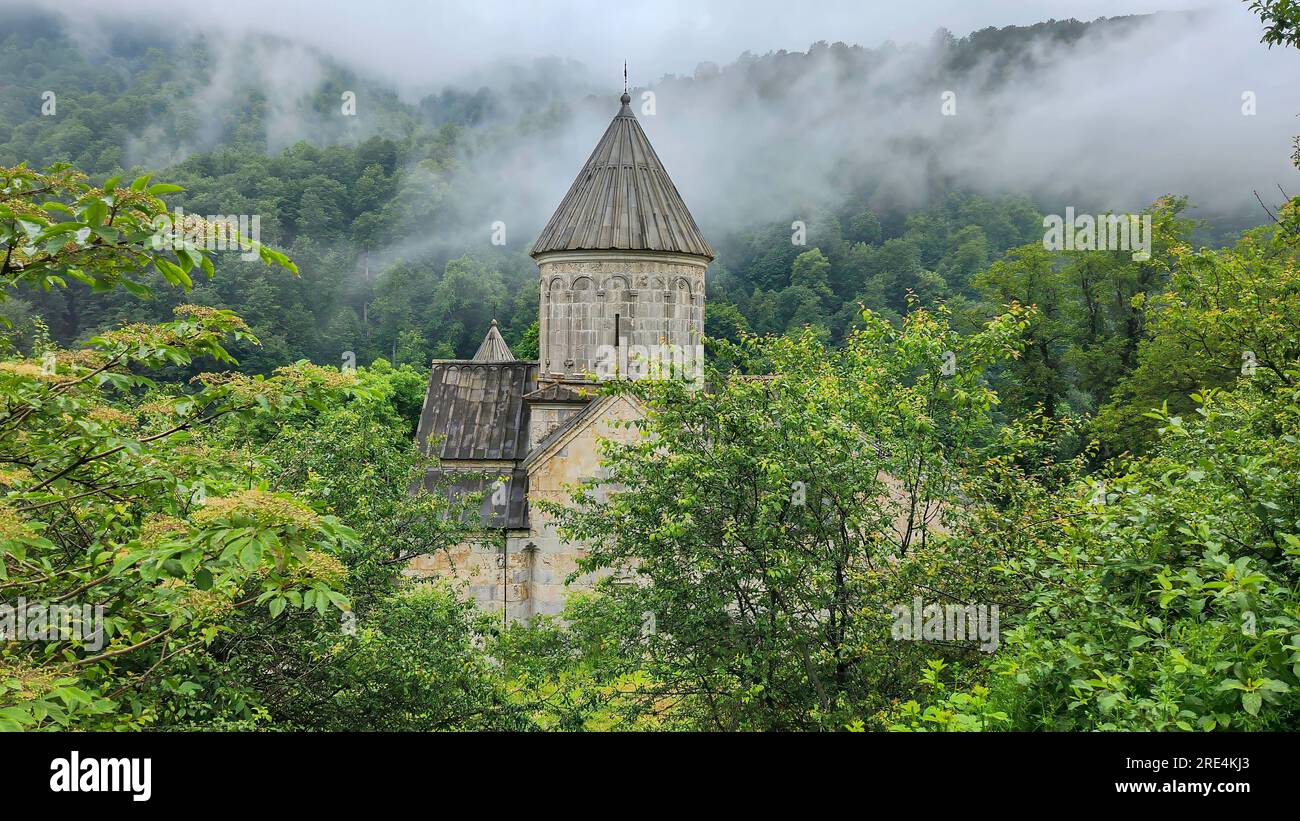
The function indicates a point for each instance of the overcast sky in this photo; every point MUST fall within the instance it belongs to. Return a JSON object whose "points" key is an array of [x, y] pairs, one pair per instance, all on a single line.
{"points": [[1112, 122], [436, 40]]}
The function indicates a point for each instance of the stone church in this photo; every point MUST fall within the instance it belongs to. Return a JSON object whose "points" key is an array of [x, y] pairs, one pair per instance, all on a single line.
{"points": [[620, 268]]}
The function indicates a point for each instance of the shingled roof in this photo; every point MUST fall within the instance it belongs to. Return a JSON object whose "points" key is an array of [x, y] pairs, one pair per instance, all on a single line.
{"points": [[505, 509], [478, 409], [623, 200]]}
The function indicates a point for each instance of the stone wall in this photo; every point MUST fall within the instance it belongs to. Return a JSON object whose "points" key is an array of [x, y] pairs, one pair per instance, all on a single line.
{"points": [[545, 417], [529, 578], [653, 299], [484, 574], [549, 478]]}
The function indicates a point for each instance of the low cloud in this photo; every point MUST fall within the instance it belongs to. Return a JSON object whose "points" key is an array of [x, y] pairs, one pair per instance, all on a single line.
{"points": [[1133, 110]]}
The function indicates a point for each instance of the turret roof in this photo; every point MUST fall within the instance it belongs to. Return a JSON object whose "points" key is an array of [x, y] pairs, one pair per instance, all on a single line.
{"points": [[623, 200]]}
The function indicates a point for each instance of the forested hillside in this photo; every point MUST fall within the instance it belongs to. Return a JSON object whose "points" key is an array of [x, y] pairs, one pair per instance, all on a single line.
{"points": [[1105, 444], [383, 216]]}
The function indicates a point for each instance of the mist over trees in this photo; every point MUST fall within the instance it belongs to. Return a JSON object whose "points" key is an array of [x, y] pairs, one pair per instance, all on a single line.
{"points": [[912, 402], [375, 207]]}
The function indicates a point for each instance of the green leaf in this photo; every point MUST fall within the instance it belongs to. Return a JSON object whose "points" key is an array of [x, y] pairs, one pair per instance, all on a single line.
{"points": [[251, 556], [172, 272], [1252, 702], [59, 228]]}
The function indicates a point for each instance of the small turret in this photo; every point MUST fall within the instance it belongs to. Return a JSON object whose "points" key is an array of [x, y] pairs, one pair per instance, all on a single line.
{"points": [[494, 347]]}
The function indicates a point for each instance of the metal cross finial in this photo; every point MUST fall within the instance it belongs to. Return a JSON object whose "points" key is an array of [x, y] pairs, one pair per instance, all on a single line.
{"points": [[625, 76]]}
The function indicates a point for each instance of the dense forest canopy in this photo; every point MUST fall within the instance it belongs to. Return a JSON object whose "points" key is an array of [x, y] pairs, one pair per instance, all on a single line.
{"points": [[389, 213], [1104, 443]]}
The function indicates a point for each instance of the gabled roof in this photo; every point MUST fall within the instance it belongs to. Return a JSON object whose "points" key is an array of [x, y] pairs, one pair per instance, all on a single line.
{"points": [[494, 347], [571, 427], [623, 200], [478, 409]]}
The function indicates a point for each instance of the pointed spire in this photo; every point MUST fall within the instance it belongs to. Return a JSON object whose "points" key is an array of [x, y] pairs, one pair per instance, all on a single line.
{"points": [[623, 199], [494, 347]]}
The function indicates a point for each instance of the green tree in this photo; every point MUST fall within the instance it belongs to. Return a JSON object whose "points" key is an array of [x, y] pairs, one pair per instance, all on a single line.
{"points": [[1162, 597], [204, 517], [865, 227], [526, 346], [1281, 20], [811, 270], [1226, 314], [758, 522]]}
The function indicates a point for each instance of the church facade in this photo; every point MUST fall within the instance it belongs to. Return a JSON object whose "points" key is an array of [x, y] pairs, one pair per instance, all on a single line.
{"points": [[621, 289]]}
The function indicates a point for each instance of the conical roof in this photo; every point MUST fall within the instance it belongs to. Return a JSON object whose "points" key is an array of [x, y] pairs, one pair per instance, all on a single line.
{"points": [[494, 347], [623, 200]]}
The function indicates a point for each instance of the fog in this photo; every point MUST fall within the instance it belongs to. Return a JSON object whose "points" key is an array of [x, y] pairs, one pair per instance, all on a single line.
{"points": [[1128, 114], [422, 43]]}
